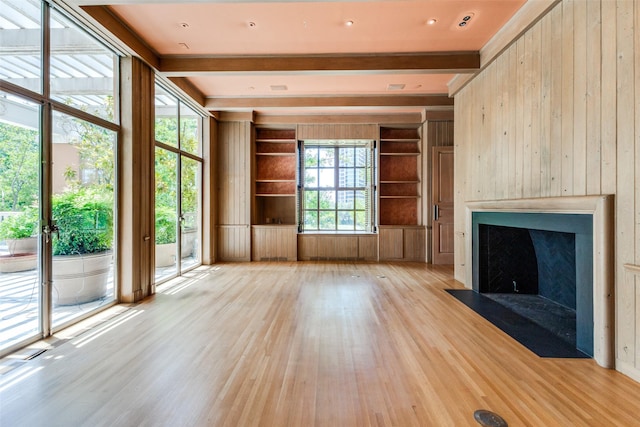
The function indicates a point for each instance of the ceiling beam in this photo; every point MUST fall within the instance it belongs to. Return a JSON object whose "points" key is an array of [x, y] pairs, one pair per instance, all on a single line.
{"points": [[189, 89], [103, 16], [329, 101], [332, 118], [101, 2], [443, 62]]}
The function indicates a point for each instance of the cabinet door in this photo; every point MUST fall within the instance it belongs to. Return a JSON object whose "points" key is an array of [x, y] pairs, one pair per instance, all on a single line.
{"points": [[391, 243]]}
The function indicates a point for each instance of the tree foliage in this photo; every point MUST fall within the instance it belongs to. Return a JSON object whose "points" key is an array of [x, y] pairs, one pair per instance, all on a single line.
{"points": [[19, 155]]}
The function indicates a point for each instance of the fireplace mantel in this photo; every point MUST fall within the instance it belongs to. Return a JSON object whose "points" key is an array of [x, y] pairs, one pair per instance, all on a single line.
{"points": [[601, 209]]}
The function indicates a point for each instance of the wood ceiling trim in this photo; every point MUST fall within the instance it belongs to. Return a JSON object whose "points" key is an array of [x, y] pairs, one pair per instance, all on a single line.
{"points": [[188, 88], [330, 101], [451, 62], [105, 17], [382, 118]]}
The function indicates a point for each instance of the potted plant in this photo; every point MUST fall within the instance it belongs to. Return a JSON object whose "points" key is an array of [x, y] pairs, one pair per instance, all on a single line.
{"points": [[82, 245], [19, 233], [165, 236]]}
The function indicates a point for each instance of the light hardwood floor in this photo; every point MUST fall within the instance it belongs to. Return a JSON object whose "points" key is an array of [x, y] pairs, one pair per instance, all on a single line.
{"points": [[306, 344]]}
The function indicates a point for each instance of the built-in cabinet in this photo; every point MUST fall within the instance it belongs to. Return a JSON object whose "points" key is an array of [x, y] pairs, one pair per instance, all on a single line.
{"points": [[274, 195], [400, 171], [317, 247], [402, 236], [271, 171], [274, 243]]}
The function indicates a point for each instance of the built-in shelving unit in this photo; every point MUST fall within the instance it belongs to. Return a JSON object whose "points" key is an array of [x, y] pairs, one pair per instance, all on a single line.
{"points": [[400, 167], [274, 231], [401, 236], [275, 176]]}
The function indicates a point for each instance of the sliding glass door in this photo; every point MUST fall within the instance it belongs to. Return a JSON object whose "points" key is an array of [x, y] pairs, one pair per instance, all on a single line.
{"points": [[178, 165], [20, 298], [58, 138], [82, 209]]}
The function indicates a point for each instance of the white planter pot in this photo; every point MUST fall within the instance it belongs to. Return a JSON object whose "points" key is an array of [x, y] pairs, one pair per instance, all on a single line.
{"points": [[26, 245], [165, 255], [80, 278], [18, 262], [188, 243]]}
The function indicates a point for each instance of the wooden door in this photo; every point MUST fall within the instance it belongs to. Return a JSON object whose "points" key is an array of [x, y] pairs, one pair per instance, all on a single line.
{"points": [[442, 200]]}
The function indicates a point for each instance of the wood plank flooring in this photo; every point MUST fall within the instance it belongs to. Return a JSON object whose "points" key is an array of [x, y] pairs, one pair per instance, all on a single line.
{"points": [[306, 344]]}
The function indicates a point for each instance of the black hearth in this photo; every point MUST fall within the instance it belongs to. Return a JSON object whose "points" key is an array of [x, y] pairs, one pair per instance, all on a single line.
{"points": [[541, 267]]}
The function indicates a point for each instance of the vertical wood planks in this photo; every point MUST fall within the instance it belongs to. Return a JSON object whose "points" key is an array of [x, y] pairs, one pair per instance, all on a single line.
{"points": [[625, 191], [555, 151], [594, 98], [567, 71], [579, 120], [567, 95], [234, 190], [608, 109]]}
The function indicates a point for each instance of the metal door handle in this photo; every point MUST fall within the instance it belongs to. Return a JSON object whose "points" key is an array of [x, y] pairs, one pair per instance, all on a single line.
{"points": [[436, 211]]}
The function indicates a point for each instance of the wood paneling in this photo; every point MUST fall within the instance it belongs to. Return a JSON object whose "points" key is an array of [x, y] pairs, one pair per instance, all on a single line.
{"points": [[570, 128], [337, 247], [368, 247], [414, 244], [391, 243], [440, 133], [274, 243], [234, 190], [135, 161], [337, 131], [234, 243]]}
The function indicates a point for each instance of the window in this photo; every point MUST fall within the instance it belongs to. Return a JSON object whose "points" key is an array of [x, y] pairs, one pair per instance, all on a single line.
{"points": [[336, 186], [58, 138], [178, 170]]}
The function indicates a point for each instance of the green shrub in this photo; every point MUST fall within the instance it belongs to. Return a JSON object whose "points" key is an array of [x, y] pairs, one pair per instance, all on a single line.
{"points": [[20, 225], [165, 225], [84, 218]]}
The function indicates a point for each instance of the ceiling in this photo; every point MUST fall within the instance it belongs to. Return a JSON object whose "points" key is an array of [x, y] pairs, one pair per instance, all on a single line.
{"points": [[317, 57]]}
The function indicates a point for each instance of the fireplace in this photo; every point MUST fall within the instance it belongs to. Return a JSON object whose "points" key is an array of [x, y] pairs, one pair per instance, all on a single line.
{"points": [[547, 255], [556, 250]]}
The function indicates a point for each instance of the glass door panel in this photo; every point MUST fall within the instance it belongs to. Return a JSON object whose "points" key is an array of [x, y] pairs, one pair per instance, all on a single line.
{"points": [[190, 218], [20, 299], [82, 207], [166, 166]]}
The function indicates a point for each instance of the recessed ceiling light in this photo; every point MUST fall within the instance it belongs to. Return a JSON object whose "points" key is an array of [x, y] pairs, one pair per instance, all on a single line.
{"points": [[395, 86], [251, 24], [184, 25], [465, 20], [279, 87], [349, 23], [431, 21]]}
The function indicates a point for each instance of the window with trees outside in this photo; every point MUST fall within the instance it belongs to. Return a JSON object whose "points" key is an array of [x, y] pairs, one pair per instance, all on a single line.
{"points": [[336, 183]]}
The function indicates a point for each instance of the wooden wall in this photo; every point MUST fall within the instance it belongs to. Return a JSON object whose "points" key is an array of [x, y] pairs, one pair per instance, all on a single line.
{"points": [[558, 114], [437, 131], [136, 182], [234, 191], [337, 131]]}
